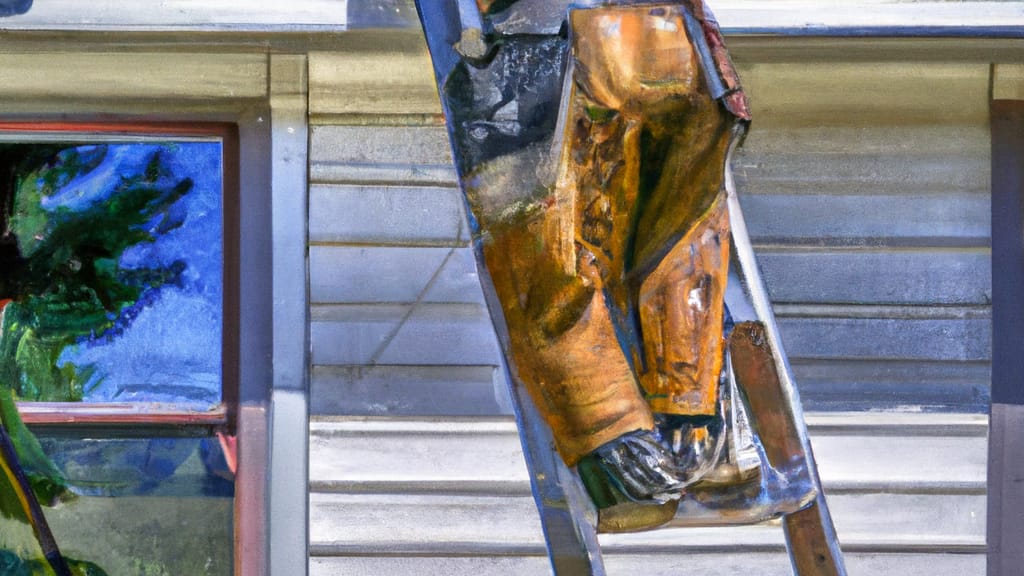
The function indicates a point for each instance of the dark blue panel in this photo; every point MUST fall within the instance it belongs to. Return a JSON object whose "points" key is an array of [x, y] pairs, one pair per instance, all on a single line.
{"points": [[1007, 252]]}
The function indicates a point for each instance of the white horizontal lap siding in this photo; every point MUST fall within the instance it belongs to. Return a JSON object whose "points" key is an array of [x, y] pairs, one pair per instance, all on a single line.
{"points": [[460, 501], [398, 320], [865, 186], [866, 191]]}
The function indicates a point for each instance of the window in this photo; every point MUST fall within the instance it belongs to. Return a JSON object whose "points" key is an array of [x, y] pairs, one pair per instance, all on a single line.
{"points": [[119, 337]]}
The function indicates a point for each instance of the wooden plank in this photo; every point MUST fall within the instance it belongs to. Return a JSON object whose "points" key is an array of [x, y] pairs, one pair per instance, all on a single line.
{"points": [[424, 334], [382, 215], [850, 94], [132, 76], [833, 385], [475, 524], [1008, 82], [419, 145], [877, 276], [289, 481], [940, 219], [903, 139], [427, 215], [777, 563], [744, 15], [365, 274], [409, 215], [1006, 499], [871, 384], [430, 565], [692, 564], [150, 15], [378, 82], [1007, 250], [771, 49], [441, 507], [406, 155], [1005, 465], [964, 339], [508, 525], [462, 334], [348, 457], [331, 15], [845, 463], [854, 174], [408, 390], [359, 454]]}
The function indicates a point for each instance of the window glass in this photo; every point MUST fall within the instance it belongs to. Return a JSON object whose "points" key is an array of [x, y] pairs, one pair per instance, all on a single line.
{"points": [[111, 275], [112, 350], [148, 506]]}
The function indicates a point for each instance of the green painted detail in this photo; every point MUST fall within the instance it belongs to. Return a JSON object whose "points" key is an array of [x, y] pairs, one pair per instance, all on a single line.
{"points": [[47, 482]]}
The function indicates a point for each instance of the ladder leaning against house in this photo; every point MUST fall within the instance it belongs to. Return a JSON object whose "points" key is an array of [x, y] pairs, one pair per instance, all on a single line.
{"points": [[758, 393]]}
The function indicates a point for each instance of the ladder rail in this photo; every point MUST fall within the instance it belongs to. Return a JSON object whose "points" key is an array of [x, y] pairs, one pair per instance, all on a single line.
{"points": [[810, 533], [567, 516]]}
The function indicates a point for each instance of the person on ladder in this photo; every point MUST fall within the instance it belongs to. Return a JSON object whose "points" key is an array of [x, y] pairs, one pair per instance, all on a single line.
{"points": [[592, 157]]}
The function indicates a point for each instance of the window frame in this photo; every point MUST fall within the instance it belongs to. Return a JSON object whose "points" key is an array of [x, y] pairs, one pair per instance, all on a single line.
{"points": [[155, 418], [259, 83], [247, 109]]}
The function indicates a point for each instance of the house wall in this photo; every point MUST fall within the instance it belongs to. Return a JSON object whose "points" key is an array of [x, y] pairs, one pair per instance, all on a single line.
{"points": [[865, 184]]}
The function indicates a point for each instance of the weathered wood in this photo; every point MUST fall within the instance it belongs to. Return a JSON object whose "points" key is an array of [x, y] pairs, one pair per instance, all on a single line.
{"points": [[409, 215], [381, 82], [810, 535], [770, 414], [426, 334], [693, 564], [1006, 470], [877, 276], [1006, 499], [810, 549], [132, 76], [405, 156], [462, 491], [871, 384], [871, 221], [387, 215], [859, 174], [356, 274], [502, 524], [330, 15], [1008, 82], [898, 337], [393, 275], [859, 453], [152, 15], [409, 390], [462, 334], [839, 94]]}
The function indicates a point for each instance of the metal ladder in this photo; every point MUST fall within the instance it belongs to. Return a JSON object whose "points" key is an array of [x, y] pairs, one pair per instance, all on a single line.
{"points": [[760, 383]]}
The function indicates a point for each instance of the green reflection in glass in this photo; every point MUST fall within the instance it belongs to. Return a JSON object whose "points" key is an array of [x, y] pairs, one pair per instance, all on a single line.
{"points": [[152, 506]]}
